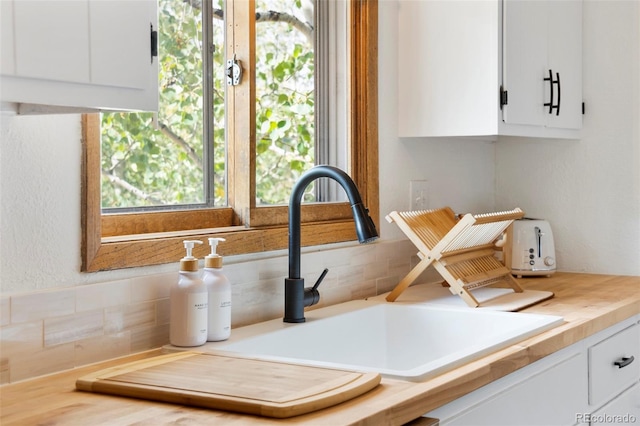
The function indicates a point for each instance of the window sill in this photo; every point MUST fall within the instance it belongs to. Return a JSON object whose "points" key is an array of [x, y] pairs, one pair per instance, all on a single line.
{"points": [[166, 247]]}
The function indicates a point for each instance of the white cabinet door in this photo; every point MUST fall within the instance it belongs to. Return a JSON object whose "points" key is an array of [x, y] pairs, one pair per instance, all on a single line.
{"points": [[78, 55], [524, 62], [448, 67], [565, 60], [7, 62], [545, 393], [614, 365], [51, 40], [625, 409], [542, 63], [117, 59]]}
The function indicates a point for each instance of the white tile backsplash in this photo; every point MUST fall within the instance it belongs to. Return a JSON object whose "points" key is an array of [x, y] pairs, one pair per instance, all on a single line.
{"points": [[47, 331], [5, 310], [41, 305], [152, 287], [71, 328], [103, 295]]}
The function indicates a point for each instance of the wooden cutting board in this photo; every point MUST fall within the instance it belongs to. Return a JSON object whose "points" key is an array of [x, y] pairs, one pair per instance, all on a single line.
{"points": [[228, 382]]}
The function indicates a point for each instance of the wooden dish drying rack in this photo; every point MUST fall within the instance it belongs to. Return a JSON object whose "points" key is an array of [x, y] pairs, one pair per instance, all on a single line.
{"points": [[462, 250]]}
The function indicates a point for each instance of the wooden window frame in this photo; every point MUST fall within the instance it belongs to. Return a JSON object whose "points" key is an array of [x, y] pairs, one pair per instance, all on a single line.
{"points": [[116, 241]]}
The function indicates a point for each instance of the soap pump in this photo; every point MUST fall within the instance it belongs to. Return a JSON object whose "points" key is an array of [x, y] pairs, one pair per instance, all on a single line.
{"points": [[188, 299], [219, 289]]}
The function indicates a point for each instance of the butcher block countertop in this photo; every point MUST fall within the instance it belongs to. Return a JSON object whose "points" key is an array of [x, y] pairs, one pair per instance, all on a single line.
{"points": [[588, 303]]}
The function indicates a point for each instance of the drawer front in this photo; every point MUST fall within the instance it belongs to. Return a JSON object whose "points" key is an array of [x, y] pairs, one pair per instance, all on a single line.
{"points": [[606, 379], [625, 409]]}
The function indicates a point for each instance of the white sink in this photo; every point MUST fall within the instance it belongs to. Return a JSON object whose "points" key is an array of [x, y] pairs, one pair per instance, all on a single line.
{"points": [[406, 341]]}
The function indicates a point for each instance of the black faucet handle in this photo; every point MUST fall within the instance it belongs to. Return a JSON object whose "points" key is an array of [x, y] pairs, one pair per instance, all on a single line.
{"points": [[312, 295], [320, 278]]}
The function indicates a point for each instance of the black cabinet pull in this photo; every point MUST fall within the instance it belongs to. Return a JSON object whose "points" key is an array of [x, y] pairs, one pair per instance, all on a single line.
{"points": [[559, 93], [551, 83], [624, 361], [550, 103]]}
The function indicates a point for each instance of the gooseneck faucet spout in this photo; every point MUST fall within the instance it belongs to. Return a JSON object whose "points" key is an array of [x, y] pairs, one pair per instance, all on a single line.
{"points": [[296, 297]]}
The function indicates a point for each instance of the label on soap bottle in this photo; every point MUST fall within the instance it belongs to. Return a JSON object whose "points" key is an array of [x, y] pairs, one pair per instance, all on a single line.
{"points": [[219, 316], [197, 317]]}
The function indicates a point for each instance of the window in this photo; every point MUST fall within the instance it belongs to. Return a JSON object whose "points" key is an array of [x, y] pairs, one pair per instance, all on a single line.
{"points": [[141, 238]]}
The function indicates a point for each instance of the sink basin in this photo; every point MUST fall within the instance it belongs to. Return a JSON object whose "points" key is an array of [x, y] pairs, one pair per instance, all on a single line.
{"points": [[406, 341]]}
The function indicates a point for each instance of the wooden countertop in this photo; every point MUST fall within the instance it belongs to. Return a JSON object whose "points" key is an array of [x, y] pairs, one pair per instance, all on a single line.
{"points": [[588, 303]]}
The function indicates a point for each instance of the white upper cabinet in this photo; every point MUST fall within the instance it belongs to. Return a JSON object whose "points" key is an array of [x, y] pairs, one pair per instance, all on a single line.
{"points": [[7, 61], [456, 60], [79, 55], [542, 67]]}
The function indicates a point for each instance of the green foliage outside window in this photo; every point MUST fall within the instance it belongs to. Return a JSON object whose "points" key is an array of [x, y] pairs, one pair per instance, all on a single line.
{"points": [[150, 162]]}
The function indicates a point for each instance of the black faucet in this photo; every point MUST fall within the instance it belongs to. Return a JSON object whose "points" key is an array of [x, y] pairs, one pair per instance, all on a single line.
{"points": [[296, 297]]}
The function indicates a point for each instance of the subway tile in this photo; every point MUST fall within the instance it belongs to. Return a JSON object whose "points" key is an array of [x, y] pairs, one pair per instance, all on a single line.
{"points": [[333, 258], [152, 287], [398, 249], [245, 316], [101, 348], [262, 291], [129, 317], [143, 339], [386, 284], [163, 308], [241, 272], [317, 260], [348, 276], [329, 281], [364, 290], [366, 254], [75, 327], [277, 267], [5, 310], [250, 307], [103, 295], [266, 311], [23, 354], [334, 295], [375, 270], [42, 305], [20, 339], [45, 361], [399, 267]]}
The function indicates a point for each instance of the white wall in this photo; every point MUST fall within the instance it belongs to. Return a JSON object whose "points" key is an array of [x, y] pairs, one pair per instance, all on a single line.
{"points": [[589, 189], [40, 233], [39, 201]]}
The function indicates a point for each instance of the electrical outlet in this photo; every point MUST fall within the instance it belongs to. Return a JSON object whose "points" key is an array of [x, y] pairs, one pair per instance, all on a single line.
{"points": [[419, 195]]}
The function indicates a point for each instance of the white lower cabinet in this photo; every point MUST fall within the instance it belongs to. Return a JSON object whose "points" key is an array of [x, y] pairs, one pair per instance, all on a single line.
{"points": [[592, 382], [625, 409], [544, 393], [612, 366]]}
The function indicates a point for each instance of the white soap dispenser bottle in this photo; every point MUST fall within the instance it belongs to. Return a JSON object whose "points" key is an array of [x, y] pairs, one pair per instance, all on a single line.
{"points": [[188, 299], [219, 288]]}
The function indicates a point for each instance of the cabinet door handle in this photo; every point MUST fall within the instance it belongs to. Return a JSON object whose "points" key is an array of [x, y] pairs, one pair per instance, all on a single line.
{"points": [[624, 361], [551, 91], [550, 103], [559, 93]]}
